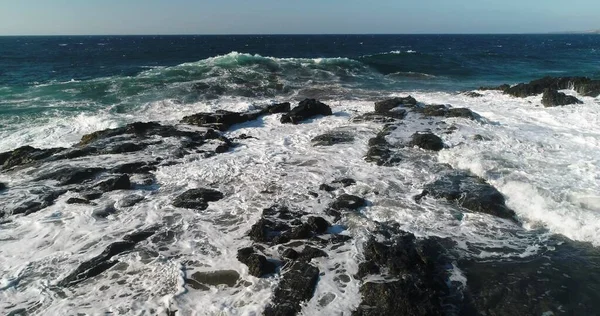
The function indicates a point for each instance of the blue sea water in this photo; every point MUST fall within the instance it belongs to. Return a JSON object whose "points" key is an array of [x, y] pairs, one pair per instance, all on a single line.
{"points": [[87, 73]]}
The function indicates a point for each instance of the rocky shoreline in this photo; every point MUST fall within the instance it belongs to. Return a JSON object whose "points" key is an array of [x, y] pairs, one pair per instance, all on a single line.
{"points": [[399, 273]]}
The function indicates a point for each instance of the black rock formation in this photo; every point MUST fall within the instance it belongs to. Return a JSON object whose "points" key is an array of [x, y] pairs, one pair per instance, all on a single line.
{"points": [[306, 109]]}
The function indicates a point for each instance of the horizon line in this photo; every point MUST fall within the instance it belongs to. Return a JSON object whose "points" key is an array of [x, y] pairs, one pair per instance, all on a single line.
{"points": [[300, 34]]}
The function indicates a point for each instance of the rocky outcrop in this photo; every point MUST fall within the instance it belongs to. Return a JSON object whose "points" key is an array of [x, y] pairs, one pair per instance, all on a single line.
{"points": [[552, 98], [297, 285], [470, 192], [105, 260], [197, 199], [25, 155], [332, 138], [428, 141], [583, 85], [445, 111], [387, 105], [306, 109]]}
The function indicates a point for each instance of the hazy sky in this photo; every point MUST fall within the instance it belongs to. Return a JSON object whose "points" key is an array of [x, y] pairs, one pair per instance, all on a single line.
{"points": [[37, 17]]}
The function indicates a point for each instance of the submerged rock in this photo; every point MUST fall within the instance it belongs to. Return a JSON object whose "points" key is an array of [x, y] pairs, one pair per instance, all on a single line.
{"points": [[297, 285], [386, 105], [554, 98], [258, 265], [348, 202], [306, 109], [470, 192], [333, 138], [428, 141], [222, 277], [197, 198], [120, 182], [71, 175]]}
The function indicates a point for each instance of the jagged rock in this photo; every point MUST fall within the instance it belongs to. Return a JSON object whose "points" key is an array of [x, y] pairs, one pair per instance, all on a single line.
{"points": [[120, 182], [306, 109], [326, 187], [71, 175], [473, 94], [427, 141], [225, 277], [552, 98], [290, 253], [380, 151], [258, 265], [387, 105], [346, 182], [422, 283], [77, 201], [135, 167], [25, 155], [44, 200], [583, 85], [197, 198], [130, 200], [442, 110], [318, 224], [348, 202], [384, 117], [297, 285], [470, 192], [332, 138], [309, 253], [279, 108], [221, 119], [104, 261]]}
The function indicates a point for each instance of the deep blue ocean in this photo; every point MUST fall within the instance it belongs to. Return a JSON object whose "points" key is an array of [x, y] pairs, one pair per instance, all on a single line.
{"points": [[87, 73]]}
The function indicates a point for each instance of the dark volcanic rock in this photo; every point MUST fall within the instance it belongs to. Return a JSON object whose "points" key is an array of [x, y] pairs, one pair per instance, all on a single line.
{"points": [[25, 155], [554, 98], [473, 94], [130, 200], [71, 175], [2, 186], [221, 119], [114, 183], [387, 105], [306, 109], [380, 151], [42, 201], [318, 224], [442, 110], [470, 192], [332, 138], [326, 187], [346, 182], [197, 198], [297, 286], [427, 141], [562, 281], [104, 261], [279, 108], [135, 167], [583, 85], [77, 201], [258, 265], [348, 202], [499, 88], [385, 117], [226, 277], [422, 283], [309, 253]]}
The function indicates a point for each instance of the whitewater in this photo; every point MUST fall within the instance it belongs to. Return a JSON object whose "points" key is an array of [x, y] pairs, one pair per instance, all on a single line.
{"points": [[544, 161]]}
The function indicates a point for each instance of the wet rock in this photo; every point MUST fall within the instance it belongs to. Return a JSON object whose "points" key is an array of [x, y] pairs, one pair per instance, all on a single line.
{"points": [[442, 110], [428, 141], [380, 152], [197, 198], [309, 253], [140, 235], [77, 201], [258, 265], [91, 195], [98, 264], [40, 202], [306, 109], [290, 253], [333, 138], [104, 212], [387, 105], [2, 186], [297, 285], [214, 278], [385, 117], [460, 112], [130, 200], [418, 273], [326, 187], [562, 281], [25, 155], [552, 98], [498, 88], [346, 182], [583, 85], [120, 182], [318, 224], [279, 108], [348, 202], [221, 120], [473, 94], [470, 192], [71, 175], [135, 167], [103, 261]]}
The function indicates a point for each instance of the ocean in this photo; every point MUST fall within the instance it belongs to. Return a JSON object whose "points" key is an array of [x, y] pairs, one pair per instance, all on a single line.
{"points": [[544, 162]]}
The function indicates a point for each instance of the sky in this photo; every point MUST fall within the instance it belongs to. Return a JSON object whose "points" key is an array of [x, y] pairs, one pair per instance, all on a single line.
{"points": [[100, 17]]}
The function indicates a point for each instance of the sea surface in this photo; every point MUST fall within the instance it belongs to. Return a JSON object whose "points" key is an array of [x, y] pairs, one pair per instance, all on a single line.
{"points": [[54, 90]]}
